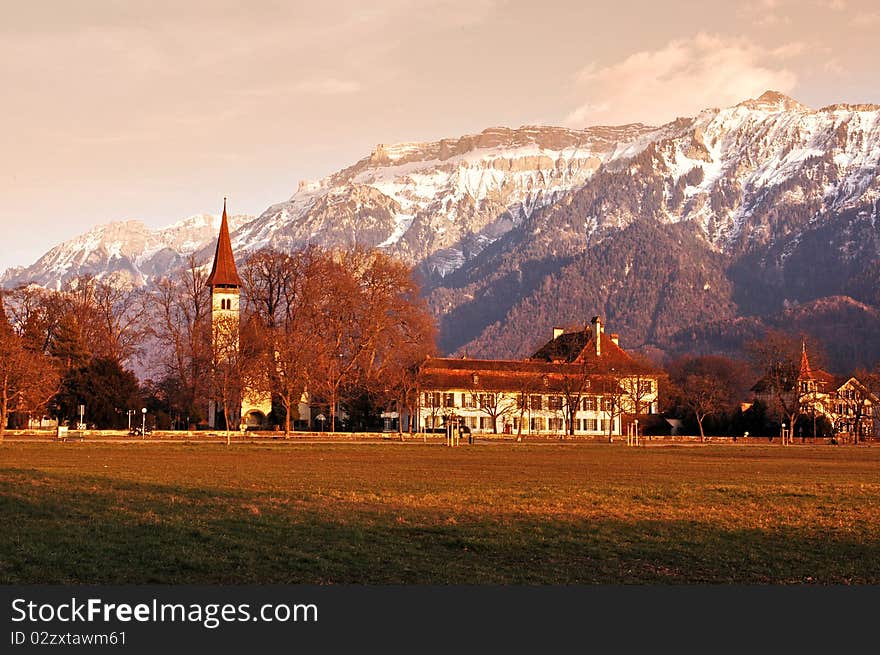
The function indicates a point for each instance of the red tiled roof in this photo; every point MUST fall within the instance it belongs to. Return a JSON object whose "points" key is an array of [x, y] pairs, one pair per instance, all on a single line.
{"points": [[224, 273], [824, 377], [530, 375], [580, 347]]}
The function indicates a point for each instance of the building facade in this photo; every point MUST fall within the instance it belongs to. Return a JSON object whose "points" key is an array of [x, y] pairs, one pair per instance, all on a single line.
{"points": [[579, 383], [847, 404]]}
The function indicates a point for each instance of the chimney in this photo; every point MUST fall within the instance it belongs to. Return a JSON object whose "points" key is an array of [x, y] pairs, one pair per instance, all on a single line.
{"points": [[597, 334], [615, 339], [557, 332]]}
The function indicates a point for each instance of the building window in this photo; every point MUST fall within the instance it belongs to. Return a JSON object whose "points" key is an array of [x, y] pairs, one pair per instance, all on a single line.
{"points": [[589, 404], [475, 379], [449, 400], [606, 404], [590, 425], [554, 402], [487, 400], [537, 424], [432, 399], [555, 424], [535, 402], [485, 423]]}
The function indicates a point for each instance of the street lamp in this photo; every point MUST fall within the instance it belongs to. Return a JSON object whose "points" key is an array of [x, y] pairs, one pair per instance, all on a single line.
{"points": [[783, 433], [129, 412], [143, 423]]}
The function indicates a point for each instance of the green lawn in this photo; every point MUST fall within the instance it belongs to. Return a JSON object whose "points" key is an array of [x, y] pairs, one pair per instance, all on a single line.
{"points": [[414, 513]]}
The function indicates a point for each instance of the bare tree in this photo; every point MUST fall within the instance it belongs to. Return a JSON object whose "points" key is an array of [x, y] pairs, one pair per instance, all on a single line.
{"points": [[281, 292], [707, 385], [576, 384], [28, 380], [526, 387], [111, 318], [611, 397], [234, 368], [495, 405], [182, 328]]}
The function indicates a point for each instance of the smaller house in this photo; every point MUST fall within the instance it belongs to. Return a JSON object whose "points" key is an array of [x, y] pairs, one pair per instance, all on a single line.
{"points": [[846, 403]]}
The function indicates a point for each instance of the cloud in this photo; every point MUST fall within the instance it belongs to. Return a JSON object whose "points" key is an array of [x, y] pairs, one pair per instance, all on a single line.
{"points": [[867, 19], [680, 79], [329, 86]]}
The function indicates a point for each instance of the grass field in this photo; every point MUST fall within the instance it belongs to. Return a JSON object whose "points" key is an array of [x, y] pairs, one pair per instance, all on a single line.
{"points": [[414, 513]]}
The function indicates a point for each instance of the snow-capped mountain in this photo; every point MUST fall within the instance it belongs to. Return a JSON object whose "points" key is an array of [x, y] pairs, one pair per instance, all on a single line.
{"points": [[127, 252], [730, 170], [439, 204]]}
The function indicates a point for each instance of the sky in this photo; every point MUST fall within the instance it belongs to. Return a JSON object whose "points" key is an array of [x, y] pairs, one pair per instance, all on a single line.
{"points": [[154, 110]]}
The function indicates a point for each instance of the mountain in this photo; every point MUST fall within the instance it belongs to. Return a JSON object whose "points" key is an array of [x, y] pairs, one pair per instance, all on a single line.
{"points": [[439, 204], [127, 252], [694, 235]]}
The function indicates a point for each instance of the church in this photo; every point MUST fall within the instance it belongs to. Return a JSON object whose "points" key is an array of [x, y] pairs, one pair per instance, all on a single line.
{"points": [[224, 282]]}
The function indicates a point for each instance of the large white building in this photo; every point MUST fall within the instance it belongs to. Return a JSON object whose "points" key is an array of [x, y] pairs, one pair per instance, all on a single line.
{"points": [[579, 383]]}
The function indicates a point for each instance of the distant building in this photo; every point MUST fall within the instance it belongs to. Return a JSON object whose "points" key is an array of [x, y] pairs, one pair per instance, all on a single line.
{"points": [[578, 383], [846, 403]]}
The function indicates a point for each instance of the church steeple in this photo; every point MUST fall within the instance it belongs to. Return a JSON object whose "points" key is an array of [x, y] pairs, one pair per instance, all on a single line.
{"points": [[806, 372], [224, 273]]}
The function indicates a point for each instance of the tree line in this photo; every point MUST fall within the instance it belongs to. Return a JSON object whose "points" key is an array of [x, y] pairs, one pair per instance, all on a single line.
{"points": [[347, 328]]}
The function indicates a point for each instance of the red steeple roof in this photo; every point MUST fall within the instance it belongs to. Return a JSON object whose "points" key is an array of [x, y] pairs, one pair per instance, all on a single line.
{"points": [[823, 378], [224, 273], [806, 371]]}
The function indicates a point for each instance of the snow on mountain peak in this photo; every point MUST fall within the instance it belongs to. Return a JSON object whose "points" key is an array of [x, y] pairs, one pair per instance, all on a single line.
{"points": [[774, 101], [126, 250], [440, 203]]}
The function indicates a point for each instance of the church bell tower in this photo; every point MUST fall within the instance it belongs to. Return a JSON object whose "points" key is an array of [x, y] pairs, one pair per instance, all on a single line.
{"points": [[225, 285]]}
